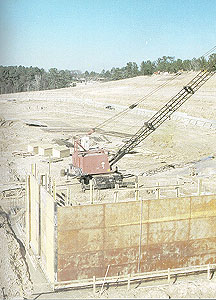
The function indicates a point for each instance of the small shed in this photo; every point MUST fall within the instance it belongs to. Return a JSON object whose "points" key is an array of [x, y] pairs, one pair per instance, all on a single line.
{"points": [[45, 150], [33, 148], [60, 151]]}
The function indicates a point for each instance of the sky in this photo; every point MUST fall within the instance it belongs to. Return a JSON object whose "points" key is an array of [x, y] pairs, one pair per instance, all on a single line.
{"points": [[100, 34]]}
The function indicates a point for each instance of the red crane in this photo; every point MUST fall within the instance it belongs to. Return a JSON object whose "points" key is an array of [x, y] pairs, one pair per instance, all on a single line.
{"points": [[88, 164]]}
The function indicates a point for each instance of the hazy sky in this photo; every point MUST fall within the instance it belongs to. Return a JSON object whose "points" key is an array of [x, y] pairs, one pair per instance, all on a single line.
{"points": [[101, 34]]}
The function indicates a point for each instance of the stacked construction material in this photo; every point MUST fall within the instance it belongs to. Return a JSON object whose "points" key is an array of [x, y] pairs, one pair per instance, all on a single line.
{"points": [[49, 150]]}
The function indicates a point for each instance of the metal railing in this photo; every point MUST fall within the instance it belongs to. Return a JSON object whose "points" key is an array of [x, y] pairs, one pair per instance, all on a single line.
{"points": [[129, 278]]}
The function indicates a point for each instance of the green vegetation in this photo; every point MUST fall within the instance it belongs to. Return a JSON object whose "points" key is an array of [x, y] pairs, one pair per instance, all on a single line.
{"points": [[20, 79]]}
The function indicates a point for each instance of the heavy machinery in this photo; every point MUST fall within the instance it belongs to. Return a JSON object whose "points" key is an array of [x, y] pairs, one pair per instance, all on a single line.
{"points": [[95, 163]]}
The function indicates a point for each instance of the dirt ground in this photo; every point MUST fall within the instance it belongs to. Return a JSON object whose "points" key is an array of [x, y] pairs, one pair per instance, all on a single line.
{"points": [[167, 156]]}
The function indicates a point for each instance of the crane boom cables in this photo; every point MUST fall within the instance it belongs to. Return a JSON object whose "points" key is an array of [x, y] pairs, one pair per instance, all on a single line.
{"points": [[209, 52], [164, 113], [132, 106]]}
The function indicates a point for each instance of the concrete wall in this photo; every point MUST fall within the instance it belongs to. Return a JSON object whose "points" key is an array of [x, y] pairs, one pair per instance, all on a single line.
{"points": [[77, 242], [33, 204], [41, 225], [174, 233], [48, 227]]}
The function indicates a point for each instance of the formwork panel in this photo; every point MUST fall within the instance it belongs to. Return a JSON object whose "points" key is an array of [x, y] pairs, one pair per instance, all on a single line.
{"points": [[203, 259], [204, 206], [79, 217], [164, 232], [75, 241], [169, 209], [122, 256], [125, 213], [171, 236], [165, 255], [89, 258], [72, 266], [124, 269], [85, 270], [203, 228], [124, 236], [201, 246]]}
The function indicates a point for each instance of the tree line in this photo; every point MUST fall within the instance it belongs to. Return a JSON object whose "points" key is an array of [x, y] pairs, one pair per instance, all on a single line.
{"points": [[164, 64], [15, 79]]}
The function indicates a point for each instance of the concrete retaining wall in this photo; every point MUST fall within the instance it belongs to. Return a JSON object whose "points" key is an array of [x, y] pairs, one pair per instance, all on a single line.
{"points": [[78, 242], [172, 233], [41, 226]]}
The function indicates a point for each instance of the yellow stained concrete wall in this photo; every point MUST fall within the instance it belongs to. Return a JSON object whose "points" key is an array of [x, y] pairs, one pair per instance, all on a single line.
{"points": [[174, 233]]}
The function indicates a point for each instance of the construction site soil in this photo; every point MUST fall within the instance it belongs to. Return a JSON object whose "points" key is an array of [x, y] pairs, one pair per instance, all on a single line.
{"points": [[182, 144]]}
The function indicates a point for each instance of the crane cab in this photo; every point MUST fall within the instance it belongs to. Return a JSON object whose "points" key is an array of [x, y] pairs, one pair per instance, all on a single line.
{"points": [[89, 161]]}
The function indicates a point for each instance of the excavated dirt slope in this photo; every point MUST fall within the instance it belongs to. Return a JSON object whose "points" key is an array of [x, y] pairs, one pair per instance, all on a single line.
{"points": [[68, 112]]}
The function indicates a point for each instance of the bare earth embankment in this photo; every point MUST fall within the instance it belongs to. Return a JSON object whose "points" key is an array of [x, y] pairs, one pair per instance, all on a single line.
{"points": [[169, 152]]}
